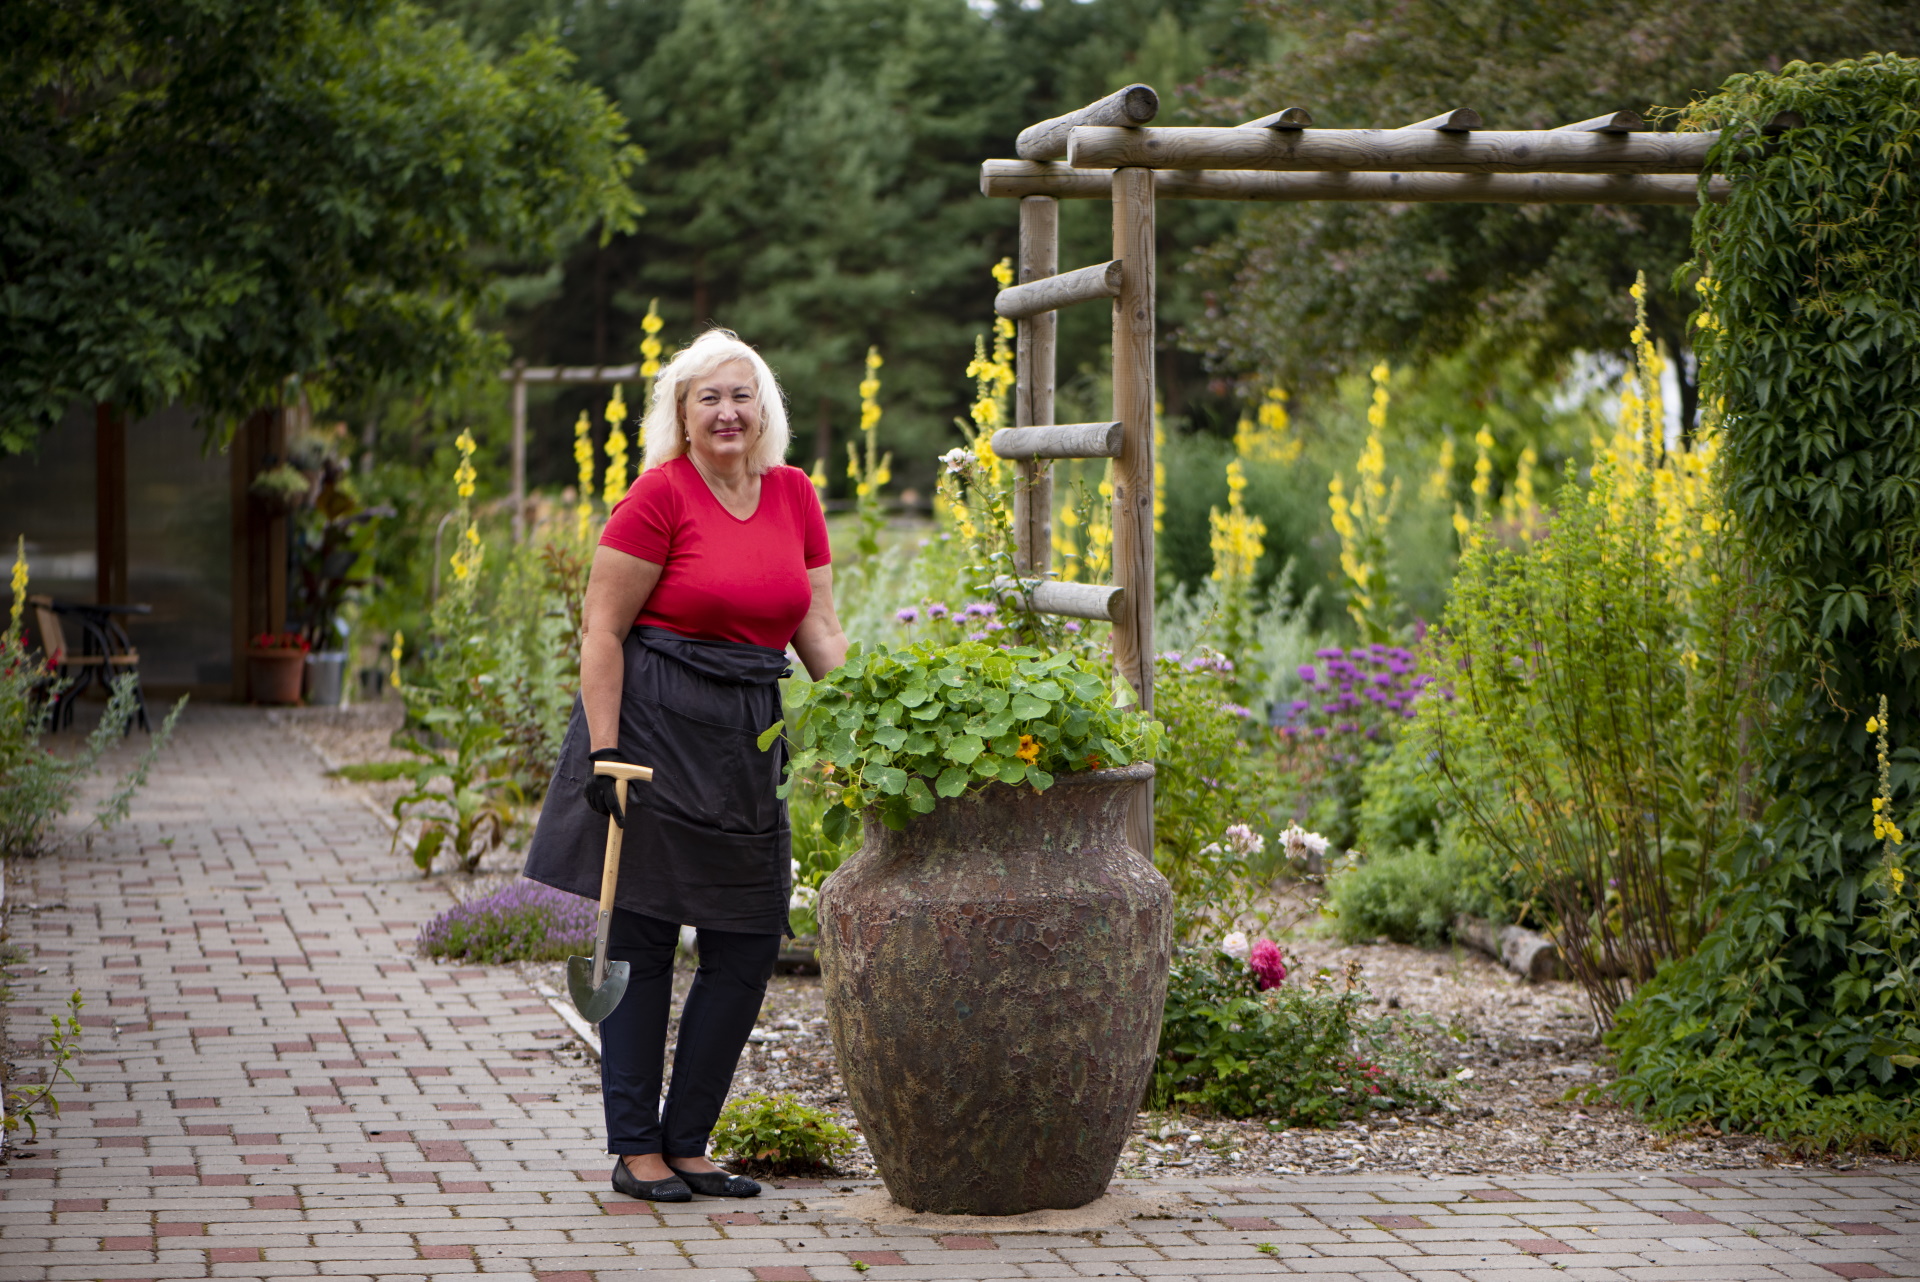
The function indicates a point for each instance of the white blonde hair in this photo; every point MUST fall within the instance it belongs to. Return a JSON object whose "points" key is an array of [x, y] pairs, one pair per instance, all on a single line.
{"points": [[664, 427]]}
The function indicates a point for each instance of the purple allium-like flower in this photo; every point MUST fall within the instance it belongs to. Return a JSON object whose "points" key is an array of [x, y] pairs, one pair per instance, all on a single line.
{"points": [[1319, 732], [908, 615], [980, 610], [1073, 626], [1245, 714], [1267, 965], [1306, 672], [976, 636], [938, 610], [1330, 653]]}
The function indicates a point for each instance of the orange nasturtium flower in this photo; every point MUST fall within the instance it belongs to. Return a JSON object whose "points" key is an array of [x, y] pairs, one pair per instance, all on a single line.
{"points": [[1028, 751]]}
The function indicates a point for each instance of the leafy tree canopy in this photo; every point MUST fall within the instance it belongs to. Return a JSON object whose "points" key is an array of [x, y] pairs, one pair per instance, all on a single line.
{"points": [[814, 184], [206, 197], [1321, 288]]}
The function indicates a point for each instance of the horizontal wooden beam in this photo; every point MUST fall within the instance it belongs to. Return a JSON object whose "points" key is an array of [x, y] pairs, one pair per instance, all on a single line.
{"points": [[1388, 150], [1458, 121], [1285, 118], [1614, 122], [571, 374], [1051, 293], [1023, 178], [1098, 601], [1059, 440], [1134, 105]]}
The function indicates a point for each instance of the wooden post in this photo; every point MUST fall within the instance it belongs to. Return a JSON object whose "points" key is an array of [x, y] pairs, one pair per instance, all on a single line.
{"points": [[1133, 341], [1034, 341], [109, 503], [519, 451]]}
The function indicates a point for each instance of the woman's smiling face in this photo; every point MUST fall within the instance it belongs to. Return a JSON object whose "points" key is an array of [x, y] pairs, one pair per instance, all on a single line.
{"points": [[722, 415]]}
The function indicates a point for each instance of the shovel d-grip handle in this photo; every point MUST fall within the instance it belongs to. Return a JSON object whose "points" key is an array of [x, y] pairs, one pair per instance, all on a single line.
{"points": [[623, 774]]}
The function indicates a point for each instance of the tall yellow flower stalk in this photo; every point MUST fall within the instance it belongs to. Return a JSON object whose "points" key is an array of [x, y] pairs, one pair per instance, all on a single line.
{"points": [[19, 606], [1362, 523], [871, 474], [1636, 461], [992, 373], [1520, 506], [1238, 539], [1159, 470], [1440, 480], [583, 459], [614, 483], [1265, 438], [465, 561], [399, 649], [650, 346]]}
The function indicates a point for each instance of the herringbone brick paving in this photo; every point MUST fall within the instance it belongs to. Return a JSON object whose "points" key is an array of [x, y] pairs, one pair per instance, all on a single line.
{"points": [[273, 1086]]}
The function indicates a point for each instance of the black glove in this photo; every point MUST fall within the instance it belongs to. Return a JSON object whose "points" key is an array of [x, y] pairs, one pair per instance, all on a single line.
{"points": [[603, 794]]}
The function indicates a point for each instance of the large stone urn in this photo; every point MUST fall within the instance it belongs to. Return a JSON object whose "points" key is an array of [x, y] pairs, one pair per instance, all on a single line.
{"points": [[994, 980]]}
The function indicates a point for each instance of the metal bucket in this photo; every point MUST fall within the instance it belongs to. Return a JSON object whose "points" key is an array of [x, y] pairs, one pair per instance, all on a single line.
{"points": [[326, 677]]}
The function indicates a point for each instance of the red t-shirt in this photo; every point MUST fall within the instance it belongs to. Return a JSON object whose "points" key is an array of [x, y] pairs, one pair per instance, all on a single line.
{"points": [[723, 579]]}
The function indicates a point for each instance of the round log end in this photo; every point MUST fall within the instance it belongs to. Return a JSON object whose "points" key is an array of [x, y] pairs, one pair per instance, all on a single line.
{"points": [[1140, 103]]}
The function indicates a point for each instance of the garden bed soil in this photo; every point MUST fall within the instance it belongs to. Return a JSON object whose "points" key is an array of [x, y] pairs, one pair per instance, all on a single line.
{"points": [[1528, 1050], [1528, 1046]]}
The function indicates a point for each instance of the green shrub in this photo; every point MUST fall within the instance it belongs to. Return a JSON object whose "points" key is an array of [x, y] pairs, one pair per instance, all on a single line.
{"points": [[779, 1133], [1799, 1015], [1409, 896], [1303, 1053]]}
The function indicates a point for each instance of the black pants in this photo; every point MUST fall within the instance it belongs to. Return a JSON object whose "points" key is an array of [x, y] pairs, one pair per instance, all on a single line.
{"points": [[728, 987]]}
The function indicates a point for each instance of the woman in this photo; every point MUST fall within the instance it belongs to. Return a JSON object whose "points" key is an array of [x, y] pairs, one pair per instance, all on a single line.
{"points": [[712, 565]]}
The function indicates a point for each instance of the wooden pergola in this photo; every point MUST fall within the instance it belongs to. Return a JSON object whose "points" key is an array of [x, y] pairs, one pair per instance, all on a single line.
{"points": [[1110, 152]]}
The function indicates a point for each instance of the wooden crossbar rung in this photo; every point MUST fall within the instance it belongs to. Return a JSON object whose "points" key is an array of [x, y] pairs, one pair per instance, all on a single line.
{"points": [[1285, 118], [1050, 294], [1492, 151], [1614, 122], [1099, 601], [1458, 121], [1059, 440], [1022, 178], [1126, 108]]}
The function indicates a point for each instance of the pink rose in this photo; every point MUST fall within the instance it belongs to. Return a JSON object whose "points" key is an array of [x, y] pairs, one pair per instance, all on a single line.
{"points": [[1266, 964]]}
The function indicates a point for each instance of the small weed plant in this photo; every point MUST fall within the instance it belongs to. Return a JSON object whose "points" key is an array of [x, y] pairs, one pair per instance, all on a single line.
{"points": [[23, 1102], [1301, 1052], [522, 921], [779, 1133]]}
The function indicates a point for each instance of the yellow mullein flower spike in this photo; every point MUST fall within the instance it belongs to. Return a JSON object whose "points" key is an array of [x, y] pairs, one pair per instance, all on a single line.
{"points": [[19, 587], [399, 642]]}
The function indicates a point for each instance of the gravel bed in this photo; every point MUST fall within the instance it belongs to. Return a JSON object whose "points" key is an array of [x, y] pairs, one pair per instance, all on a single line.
{"points": [[1522, 1053]]}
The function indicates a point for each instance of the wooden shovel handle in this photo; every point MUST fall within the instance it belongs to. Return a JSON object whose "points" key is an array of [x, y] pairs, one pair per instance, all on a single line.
{"points": [[622, 771]]}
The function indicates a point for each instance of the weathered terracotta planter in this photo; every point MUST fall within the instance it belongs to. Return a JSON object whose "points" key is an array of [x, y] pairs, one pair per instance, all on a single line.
{"points": [[994, 979], [274, 675]]}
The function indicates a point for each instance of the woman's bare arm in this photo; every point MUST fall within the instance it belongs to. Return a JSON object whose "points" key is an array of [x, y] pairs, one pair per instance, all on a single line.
{"points": [[821, 643], [617, 587]]}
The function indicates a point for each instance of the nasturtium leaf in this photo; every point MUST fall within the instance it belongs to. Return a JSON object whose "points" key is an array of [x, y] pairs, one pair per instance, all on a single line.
{"points": [[768, 735], [913, 696], [1039, 778], [1048, 690], [889, 779], [926, 712], [994, 700], [835, 822], [918, 795], [952, 781], [1027, 708], [998, 724], [890, 712], [890, 737], [1013, 772], [964, 748], [918, 743], [1005, 745]]}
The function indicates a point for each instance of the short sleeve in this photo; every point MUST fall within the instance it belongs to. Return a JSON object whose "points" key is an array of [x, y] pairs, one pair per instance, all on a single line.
{"points": [[643, 523], [813, 524]]}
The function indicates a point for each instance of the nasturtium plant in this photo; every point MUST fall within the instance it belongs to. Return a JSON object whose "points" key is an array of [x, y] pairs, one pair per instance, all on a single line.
{"points": [[895, 730]]}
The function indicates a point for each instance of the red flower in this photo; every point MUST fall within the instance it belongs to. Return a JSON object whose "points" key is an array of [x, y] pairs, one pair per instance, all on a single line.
{"points": [[1267, 966]]}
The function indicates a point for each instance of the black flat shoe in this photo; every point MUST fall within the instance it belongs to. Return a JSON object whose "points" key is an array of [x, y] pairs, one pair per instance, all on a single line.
{"points": [[671, 1189], [717, 1183]]}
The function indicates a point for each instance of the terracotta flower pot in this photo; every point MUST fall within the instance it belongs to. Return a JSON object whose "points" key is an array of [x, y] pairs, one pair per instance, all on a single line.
{"points": [[274, 676], [994, 978]]}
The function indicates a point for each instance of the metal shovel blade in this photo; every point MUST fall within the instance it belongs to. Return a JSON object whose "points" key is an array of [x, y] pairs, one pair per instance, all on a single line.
{"points": [[595, 1004]]}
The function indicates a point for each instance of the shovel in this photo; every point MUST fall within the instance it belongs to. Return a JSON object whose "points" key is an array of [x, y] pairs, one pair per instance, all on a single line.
{"points": [[596, 988]]}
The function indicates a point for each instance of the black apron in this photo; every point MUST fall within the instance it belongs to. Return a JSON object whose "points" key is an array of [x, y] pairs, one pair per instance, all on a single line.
{"points": [[707, 842]]}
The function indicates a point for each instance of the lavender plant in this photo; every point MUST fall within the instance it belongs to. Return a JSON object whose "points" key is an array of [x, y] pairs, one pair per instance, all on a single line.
{"points": [[522, 921]]}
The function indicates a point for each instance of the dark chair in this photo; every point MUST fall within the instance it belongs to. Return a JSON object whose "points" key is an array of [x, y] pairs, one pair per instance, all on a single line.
{"points": [[105, 652]]}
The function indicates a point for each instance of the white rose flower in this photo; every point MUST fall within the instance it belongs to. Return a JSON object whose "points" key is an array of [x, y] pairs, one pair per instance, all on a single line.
{"points": [[1235, 945]]}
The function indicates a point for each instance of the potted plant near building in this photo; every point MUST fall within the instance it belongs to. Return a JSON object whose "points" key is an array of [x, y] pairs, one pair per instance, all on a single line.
{"points": [[276, 662], [333, 542], [995, 955]]}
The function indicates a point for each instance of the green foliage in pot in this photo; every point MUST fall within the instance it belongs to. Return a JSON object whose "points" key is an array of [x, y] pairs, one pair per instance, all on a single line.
{"points": [[902, 728], [1302, 1052], [780, 1133]]}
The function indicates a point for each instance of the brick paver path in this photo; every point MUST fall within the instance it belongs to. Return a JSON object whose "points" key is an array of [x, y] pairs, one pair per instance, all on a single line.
{"points": [[273, 1086]]}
